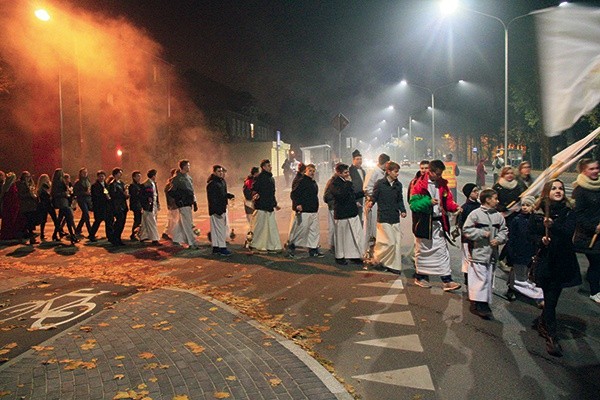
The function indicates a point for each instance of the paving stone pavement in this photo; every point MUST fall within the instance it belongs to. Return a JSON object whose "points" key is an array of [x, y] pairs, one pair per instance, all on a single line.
{"points": [[163, 344]]}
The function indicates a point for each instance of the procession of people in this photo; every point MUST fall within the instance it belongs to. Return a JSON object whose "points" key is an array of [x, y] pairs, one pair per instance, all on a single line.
{"points": [[535, 240]]}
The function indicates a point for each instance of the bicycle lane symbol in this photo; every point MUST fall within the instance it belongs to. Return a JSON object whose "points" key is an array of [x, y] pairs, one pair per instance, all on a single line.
{"points": [[53, 312]]}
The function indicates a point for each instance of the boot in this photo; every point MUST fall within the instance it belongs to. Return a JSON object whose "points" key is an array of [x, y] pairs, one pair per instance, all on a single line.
{"points": [[553, 347]]}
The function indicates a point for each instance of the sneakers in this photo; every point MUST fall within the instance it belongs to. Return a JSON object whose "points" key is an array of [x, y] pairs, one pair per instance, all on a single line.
{"points": [[315, 253], [596, 297], [224, 252], [165, 236], [449, 286], [424, 283]]}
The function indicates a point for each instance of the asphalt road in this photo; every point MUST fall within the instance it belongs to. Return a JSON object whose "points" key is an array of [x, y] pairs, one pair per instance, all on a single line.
{"points": [[378, 332]]}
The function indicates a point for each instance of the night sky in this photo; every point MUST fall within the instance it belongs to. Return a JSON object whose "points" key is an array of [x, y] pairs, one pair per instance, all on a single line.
{"points": [[345, 56]]}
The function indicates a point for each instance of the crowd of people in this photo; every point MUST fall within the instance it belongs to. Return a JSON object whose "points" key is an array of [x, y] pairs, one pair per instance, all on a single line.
{"points": [[535, 240]]}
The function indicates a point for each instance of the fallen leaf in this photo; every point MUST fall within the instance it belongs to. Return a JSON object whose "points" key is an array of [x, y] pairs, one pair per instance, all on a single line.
{"points": [[194, 348], [203, 319], [119, 376], [275, 382], [88, 345], [146, 355], [213, 309], [42, 348], [103, 324], [231, 378], [5, 393], [10, 345], [221, 395], [142, 386], [181, 397], [119, 357], [153, 379], [85, 328], [4, 351], [138, 326], [172, 312]]}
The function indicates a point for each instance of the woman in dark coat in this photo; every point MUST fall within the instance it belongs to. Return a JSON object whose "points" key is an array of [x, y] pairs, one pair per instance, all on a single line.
{"points": [[45, 204], [587, 211], [28, 205], [60, 200], [553, 225], [12, 223]]}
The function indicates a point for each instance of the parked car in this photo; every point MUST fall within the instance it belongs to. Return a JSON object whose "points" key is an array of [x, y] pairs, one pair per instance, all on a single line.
{"points": [[405, 163]]}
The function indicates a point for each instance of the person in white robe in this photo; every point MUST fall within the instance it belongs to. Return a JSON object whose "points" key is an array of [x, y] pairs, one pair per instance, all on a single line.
{"points": [[486, 228], [218, 197], [430, 203], [264, 226], [150, 209], [348, 230], [304, 223], [370, 218], [183, 192], [172, 210], [387, 194]]}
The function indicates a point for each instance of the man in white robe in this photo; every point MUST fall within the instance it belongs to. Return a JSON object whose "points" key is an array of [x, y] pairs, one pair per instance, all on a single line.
{"points": [[185, 199], [370, 220], [430, 202], [348, 230], [264, 226], [304, 224], [150, 209], [387, 194]]}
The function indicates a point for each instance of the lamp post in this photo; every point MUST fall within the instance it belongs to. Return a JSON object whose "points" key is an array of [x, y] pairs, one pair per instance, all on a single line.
{"points": [[432, 92], [43, 15], [448, 7]]}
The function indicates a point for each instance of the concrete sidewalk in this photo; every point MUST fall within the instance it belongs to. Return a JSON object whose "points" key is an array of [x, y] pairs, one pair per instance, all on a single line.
{"points": [[163, 344]]}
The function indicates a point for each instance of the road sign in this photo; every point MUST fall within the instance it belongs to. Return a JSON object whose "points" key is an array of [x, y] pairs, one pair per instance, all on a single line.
{"points": [[340, 122]]}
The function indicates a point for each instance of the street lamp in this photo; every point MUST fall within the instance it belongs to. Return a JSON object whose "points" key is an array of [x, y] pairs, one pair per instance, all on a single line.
{"points": [[44, 15], [450, 6], [432, 92]]}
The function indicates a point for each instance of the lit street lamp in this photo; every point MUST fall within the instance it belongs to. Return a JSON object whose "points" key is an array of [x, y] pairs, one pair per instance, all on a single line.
{"points": [[432, 92], [43, 15], [450, 6]]}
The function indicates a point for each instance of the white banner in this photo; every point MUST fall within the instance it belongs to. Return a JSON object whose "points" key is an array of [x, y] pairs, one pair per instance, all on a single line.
{"points": [[569, 59]]}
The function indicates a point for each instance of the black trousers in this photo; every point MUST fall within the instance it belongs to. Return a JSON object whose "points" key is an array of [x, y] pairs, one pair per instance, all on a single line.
{"points": [[593, 273], [552, 291], [85, 217], [118, 226], [99, 217], [137, 221], [44, 216]]}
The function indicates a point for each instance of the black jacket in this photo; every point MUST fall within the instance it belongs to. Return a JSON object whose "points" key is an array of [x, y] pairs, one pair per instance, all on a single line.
{"points": [[118, 197], [305, 193], [264, 185], [344, 199], [587, 214], [216, 193], [467, 209], [327, 196], [357, 179], [100, 199], [506, 196], [147, 196], [389, 199], [521, 244], [135, 196], [558, 263]]}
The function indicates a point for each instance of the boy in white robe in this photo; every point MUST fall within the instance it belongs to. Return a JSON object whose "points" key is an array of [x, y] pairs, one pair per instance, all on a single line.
{"points": [[486, 229]]}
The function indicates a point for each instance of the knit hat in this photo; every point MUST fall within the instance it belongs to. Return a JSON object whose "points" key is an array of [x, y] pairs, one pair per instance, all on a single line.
{"points": [[528, 200], [468, 188], [356, 153]]}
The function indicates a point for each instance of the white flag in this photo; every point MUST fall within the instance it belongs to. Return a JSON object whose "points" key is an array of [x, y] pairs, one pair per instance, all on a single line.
{"points": [[569, 60]]}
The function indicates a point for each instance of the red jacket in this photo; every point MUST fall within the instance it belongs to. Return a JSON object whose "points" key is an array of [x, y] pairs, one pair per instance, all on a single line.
{"points": [[420, 202]]}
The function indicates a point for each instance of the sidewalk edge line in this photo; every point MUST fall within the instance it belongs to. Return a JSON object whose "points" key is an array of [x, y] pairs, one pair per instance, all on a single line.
{"points": [[334, 386]]}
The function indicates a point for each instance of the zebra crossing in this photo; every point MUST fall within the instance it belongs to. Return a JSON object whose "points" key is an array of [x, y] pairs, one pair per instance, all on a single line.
{"points": [[414, 376]]}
